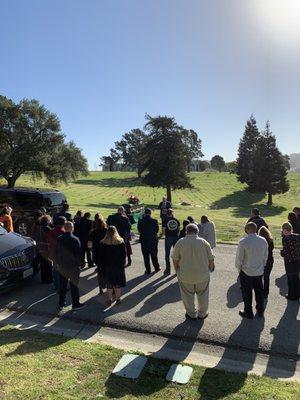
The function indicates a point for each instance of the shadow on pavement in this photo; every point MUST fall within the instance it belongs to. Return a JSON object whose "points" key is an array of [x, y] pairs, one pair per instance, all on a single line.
{"points": [[281, 283], [234, 295], [212, 382], [170, 294], [280, 335]]}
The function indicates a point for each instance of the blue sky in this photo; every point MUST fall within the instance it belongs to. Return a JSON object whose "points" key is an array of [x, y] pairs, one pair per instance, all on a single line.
{"points": [[101, 65]]}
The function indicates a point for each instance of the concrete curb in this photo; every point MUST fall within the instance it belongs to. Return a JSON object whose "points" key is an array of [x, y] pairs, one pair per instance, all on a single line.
{"points": [[189, 339]]}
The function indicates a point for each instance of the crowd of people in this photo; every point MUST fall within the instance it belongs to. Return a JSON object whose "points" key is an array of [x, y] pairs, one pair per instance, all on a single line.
{"points": [[66, 244]]}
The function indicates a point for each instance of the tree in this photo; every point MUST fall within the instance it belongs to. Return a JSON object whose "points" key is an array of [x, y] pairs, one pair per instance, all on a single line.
{"points": [[246, 150], [131, 147], [31, 142], [218, 163], [269, 167], [165, 155], [231, 167], [111, 160], [193, 146]]}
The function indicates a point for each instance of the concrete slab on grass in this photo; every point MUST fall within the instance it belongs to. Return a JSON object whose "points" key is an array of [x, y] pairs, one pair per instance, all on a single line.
{"points": [[130, 366], [179, 373]]}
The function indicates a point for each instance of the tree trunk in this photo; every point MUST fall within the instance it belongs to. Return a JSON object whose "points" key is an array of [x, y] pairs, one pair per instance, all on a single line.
{"points": [[11, 181], [139, 173], [169, 193], [270, 199]]}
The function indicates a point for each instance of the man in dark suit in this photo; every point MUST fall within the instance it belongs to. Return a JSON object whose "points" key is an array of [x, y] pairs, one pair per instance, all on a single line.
{"points": [[164, 206], [69, 259], [148, 229], [83, 229], [121, 222], [257, 219]]}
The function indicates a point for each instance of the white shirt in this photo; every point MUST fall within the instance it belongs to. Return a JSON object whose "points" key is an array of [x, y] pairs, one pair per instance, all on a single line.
{"points": [[252, 255]]}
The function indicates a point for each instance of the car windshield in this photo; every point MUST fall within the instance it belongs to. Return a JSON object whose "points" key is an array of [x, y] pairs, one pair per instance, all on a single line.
{"points": [[3, 231], [53, 199]]}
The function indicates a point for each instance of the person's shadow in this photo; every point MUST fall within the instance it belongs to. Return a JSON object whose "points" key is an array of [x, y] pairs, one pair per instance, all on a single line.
{"points": [[287, 333], [281, 283], [212, 385], [177, 347], [234, 295], [170, 294]]}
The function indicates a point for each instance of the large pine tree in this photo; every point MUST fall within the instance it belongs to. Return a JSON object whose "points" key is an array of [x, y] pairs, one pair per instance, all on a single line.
{"points": [[166, 154], [269, 173], [246, 151]]}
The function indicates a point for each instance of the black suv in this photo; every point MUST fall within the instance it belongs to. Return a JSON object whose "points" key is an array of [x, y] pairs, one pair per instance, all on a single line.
{"points": [[25, 202], [17, 258]]}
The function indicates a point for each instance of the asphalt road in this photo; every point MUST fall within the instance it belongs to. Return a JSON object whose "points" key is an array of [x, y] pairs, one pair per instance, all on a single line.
{"points": [[152, 304]]}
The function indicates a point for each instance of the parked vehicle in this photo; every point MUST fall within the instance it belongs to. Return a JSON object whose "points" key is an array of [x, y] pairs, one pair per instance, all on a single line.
{"points": [[25, 202], [17, 258]]}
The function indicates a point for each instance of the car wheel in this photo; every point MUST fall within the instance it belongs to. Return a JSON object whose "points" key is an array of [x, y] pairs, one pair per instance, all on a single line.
{"points": [[22, 228]]}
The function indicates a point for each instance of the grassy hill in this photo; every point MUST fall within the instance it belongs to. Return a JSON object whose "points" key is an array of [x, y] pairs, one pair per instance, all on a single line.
{"points": [[217, 195]]}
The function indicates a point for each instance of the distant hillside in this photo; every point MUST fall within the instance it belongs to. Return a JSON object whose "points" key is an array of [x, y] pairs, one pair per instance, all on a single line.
{"points": [[295, 162]]}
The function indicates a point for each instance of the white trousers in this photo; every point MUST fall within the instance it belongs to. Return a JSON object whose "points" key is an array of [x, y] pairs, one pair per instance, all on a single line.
{"points": [[189, 292]]}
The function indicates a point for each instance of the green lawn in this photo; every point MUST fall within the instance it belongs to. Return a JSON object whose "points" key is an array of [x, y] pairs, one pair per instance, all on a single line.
{"points": [[218, 195], [39, 366]]}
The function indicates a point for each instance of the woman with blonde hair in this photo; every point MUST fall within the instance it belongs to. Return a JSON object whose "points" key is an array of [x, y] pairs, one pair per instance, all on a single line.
{"points": [[111, 258], [265, 233]]}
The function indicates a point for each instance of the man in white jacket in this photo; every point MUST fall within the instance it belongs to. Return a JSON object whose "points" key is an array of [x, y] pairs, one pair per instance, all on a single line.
{"points": [[207, 231]]}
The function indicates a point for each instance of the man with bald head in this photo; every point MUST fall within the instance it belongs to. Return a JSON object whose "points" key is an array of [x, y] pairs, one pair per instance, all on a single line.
{"points": [[251, 258], [69, 261]]}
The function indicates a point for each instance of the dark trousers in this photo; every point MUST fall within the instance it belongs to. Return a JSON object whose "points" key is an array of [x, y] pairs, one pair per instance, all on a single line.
{"points": [[248, 284], [266, 277], [170, 242], [150, 250], [293, 286], [46, 270], [63, 284], [56, 276], [88, 252], [292, 272]]}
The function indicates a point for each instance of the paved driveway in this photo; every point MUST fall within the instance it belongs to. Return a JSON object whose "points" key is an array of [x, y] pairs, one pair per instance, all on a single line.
{"points": [[152, 304]]}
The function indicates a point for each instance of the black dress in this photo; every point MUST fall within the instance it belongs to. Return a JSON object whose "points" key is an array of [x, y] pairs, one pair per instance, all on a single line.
{"points": [[95, 236], [111, 259], [41, 236]]}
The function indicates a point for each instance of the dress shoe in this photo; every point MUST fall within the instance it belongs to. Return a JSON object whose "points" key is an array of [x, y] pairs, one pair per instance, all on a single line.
{"points": [[245, 315], [205, 316], [291, 299], [260, 314], [187, 316]]}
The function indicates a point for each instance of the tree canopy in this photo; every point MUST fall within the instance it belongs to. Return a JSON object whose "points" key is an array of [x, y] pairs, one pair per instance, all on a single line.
{"points": [[167, 154], [131, 148], [246, 150], [31, 142], [267, 166], [217, 162]]}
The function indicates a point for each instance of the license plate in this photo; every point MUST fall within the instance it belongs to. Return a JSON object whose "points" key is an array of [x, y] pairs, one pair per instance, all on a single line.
{"points": [[28, 272]]}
